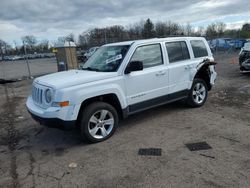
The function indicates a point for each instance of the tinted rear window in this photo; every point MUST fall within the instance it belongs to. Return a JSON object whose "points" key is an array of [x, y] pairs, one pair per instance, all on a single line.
{"points": [[177, 51], [199, 48]]}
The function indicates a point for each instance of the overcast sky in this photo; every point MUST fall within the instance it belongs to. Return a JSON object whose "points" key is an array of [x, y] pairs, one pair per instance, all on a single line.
{"points": [[49, 19]]}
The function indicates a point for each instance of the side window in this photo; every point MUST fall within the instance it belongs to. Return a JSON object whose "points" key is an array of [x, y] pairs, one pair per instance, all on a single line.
{"points": [[177, 51], [149, 55], [199, 48]]}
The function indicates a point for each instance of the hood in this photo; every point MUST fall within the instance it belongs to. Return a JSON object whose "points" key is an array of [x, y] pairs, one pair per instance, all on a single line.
{"points": [[72, 77]]}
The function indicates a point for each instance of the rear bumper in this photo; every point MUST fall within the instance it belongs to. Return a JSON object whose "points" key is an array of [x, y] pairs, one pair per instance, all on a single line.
{"points": [[213, 74]]}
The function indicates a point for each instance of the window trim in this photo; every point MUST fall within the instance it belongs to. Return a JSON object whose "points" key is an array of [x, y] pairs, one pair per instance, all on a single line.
{"points": [[158, 43], [179, 41]]}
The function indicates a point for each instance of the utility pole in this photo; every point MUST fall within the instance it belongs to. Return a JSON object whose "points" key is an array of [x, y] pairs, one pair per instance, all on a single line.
{"points": [[105, 35], [1, 48], [26, 59]]}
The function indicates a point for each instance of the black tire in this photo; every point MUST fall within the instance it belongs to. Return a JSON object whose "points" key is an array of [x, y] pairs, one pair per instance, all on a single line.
{"points": [[95, 109], [192, 99]]}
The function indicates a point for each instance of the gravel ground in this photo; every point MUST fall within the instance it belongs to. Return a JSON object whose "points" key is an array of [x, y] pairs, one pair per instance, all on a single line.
{"points": [[35, 156]]}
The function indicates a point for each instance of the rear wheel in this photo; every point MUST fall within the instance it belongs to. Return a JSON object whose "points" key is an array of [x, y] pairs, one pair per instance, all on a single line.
{"points": [[99, 121], [198, 93]]}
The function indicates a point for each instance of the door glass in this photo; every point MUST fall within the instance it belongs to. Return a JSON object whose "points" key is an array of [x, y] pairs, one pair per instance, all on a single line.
{"points": [[177, 51], [149, 55], [199, 48]]}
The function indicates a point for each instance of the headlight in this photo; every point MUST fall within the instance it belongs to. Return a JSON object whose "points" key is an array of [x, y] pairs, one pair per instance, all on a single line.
{"points": [[48, 95]]}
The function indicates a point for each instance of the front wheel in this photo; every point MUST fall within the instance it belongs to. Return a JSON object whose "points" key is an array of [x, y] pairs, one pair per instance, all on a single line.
{"points": [[198, 93], [99, 121]]}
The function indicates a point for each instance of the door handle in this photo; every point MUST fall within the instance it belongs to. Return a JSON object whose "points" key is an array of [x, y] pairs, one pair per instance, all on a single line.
{"points": [[188, 67], [161, 73]]}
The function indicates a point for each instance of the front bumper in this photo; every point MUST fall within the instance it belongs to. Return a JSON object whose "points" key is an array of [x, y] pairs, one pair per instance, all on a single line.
{"points": [[54, 122], [54, 116]]}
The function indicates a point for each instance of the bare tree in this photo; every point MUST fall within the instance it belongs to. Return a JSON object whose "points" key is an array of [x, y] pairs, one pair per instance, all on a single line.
{"points": [[220, 28], [188, 29], [211, 31], [43, 46], [173, 28], [70, 37], [200, 32], [160, 29], [135, 31], [61, 40], [30, 41]]}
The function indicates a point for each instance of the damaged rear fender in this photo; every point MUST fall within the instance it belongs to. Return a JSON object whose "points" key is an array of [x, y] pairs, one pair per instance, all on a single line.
{"points": [[206, 71]]}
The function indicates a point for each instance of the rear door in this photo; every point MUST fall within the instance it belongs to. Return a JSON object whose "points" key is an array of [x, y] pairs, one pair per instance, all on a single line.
{"points": [[200, 51], [179, 66]]}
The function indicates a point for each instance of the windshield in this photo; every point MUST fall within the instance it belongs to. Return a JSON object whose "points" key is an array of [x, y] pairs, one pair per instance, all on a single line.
{"points": [[106, 59]]}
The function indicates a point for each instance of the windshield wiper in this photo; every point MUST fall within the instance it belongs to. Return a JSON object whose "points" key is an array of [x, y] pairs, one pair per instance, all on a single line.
{"points": [[90, 69]]}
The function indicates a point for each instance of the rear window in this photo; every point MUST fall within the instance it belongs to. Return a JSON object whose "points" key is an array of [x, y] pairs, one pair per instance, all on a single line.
{"points": [[199, 48], [177, 51]]}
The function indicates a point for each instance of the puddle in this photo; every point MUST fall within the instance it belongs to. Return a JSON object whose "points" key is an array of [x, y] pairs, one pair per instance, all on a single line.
{"points": [[3, 81]]}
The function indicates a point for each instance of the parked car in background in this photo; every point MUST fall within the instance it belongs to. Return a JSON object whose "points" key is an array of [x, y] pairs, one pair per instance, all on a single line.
{"points": [[226, 44], [28, 56], [220, 43], [12, 58], [244, 57], [121, 79], [237, 43], [81, 58]]}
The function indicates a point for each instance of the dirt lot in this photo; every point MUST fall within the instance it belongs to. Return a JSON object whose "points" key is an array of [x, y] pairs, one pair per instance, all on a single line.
{"points": [[35, 156]]}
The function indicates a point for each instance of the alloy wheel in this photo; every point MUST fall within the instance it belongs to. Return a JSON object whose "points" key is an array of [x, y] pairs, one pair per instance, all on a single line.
{"points": [[199, 93], [100, 124]]}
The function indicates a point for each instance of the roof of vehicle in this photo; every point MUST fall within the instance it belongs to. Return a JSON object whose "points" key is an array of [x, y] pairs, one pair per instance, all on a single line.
{"points": [[153, 40]]}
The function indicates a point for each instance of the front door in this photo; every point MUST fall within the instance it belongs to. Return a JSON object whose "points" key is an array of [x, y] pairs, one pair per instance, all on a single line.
{"points": [[145, 86]]}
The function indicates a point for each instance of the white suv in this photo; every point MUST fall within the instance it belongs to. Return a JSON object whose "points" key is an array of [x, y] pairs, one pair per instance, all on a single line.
{"points": [[121, 79]]}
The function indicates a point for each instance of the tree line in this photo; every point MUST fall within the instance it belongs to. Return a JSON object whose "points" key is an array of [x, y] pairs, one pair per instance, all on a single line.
{"points": [[139, 30], [148, 29]]}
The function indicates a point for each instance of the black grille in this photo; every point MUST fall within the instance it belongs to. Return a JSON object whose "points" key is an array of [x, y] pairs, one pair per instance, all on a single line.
{"points": [[150, 151], [198, 146], [37, 95]]}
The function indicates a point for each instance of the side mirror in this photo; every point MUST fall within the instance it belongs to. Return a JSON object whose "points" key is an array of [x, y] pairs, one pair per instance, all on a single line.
{"points": [[134, 66]]}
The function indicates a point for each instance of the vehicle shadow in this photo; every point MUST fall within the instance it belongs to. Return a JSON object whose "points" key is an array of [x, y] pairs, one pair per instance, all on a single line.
{"points": [[49, 140], [146, 115]]}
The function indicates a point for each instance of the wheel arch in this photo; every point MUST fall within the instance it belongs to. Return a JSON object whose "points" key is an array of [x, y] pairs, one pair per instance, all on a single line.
{"points": [[110, 98], [204, 73]]}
